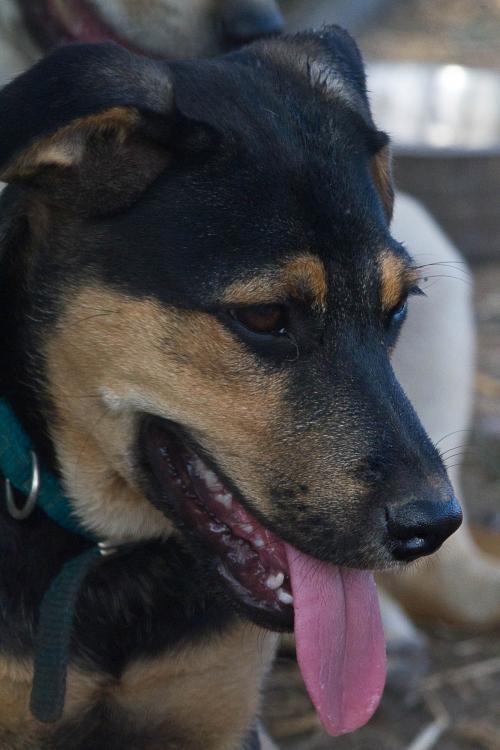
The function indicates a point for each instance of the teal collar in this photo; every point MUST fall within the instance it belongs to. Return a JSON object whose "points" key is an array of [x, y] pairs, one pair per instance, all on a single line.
{"points": [[57, 610], [16, 465]]}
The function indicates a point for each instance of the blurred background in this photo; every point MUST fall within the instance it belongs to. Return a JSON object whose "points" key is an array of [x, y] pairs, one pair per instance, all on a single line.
{"points": [[434, 81]]}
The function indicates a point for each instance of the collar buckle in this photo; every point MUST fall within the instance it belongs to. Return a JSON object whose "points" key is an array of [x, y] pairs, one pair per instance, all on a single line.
{"points": [[23, 512]]}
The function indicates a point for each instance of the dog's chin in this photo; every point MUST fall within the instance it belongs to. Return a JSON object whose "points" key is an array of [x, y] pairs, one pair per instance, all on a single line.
{"points": [[250, 560], [54, 22]]}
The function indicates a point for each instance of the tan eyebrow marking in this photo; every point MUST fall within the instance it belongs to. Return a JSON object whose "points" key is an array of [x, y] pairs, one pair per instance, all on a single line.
{"points": [[396, 278], [301, 277], [306, 276], [260, 290]]}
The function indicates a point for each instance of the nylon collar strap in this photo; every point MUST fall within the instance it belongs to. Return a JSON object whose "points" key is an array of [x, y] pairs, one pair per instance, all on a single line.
{"points": [[57, 610], [16, 465]]}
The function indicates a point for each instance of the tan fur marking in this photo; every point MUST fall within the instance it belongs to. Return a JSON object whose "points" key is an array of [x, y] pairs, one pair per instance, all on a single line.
{"points": [[260, 290], [15, 691], [396, 278], [15, 688], [306, 275], [206, 695], [209, 693], [303, 276], [18, 728], [65, 148], [381, 171], [111, 358]]}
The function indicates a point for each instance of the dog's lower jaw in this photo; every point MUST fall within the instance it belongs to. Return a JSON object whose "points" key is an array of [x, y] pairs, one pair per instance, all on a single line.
{"points": [[249, 558]]}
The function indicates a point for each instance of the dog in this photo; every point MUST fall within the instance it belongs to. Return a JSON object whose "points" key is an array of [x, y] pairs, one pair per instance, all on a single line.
{"points": [[462, 585], [201, 296], [165, 28]]}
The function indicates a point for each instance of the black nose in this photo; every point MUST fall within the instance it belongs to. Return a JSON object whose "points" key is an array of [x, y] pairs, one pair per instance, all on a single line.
{"points": [[419, 528], [247, 20]]}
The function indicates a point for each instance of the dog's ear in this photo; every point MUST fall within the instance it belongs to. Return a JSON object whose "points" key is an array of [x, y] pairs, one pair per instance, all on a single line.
{"points": [[332, 61], [345, 74], [89, 126], [381, 172]]}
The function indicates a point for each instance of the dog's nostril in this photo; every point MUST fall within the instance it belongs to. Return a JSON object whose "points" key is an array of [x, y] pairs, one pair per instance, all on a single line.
{"points": [[244, 24], [420, 528]]}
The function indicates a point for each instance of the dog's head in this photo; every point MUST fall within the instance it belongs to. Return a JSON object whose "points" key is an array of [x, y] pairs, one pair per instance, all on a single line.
{"points": [[168, 28], [207, 293]]}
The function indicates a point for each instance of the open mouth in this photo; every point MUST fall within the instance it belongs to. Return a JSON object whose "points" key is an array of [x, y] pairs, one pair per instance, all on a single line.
{"points": [[251, 560], [53, 22], [334, 610]]}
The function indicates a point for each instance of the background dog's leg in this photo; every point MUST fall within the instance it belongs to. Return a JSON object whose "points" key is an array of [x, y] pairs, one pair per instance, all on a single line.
{"points": [[265, 741], [435, 363], [406, 648]]}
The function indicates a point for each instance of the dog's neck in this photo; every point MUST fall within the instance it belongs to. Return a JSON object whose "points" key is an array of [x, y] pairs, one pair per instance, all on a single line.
{"points": [[96, 490], [17, 383], [20, 466]]}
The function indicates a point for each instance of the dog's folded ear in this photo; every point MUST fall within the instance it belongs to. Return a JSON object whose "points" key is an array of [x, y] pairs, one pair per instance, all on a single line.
{"points": [[90, 125], [332, 61], [381, 172]]}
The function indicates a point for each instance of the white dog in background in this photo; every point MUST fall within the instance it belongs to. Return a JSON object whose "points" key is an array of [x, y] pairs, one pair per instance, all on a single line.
{"points": [[435, 356], [165, 28]]}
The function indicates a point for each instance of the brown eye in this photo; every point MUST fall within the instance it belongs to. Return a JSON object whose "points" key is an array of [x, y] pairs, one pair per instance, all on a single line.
{"points": [[264, 319]]}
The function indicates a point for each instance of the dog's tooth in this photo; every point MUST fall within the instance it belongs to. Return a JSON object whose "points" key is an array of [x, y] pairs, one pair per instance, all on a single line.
{"points": [[285, 597], [247, 528], [196, 466], [257, 541], [193, 469], [225, 498], [275, 581], [217, 528], [211, 480]]}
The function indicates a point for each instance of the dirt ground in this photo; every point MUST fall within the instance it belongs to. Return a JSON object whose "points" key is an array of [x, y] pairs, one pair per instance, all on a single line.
{"points": [[459, 697]]}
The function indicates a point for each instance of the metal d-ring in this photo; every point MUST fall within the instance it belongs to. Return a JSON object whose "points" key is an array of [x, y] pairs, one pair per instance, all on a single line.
{"points": [[106, 548], [20, 513]]}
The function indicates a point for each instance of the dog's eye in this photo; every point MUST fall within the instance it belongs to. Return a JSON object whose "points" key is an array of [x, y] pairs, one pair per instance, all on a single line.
{"points": [[398, 313], [264, 319]]}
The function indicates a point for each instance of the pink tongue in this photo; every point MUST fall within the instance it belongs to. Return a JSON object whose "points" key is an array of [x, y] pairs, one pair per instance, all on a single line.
{"points": [[339, 638]]}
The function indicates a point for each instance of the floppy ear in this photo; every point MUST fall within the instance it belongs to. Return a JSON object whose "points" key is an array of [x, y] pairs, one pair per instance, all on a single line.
{"points": [[89, 125], [332, 61], [335, 67], [341, 72]]}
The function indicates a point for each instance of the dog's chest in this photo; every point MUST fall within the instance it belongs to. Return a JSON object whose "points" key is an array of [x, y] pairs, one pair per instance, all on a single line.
{"points": [[201, 697], [154, 666]]}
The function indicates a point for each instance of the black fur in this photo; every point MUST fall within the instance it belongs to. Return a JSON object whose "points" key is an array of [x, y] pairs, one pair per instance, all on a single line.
{"points": [[144, 599]]}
